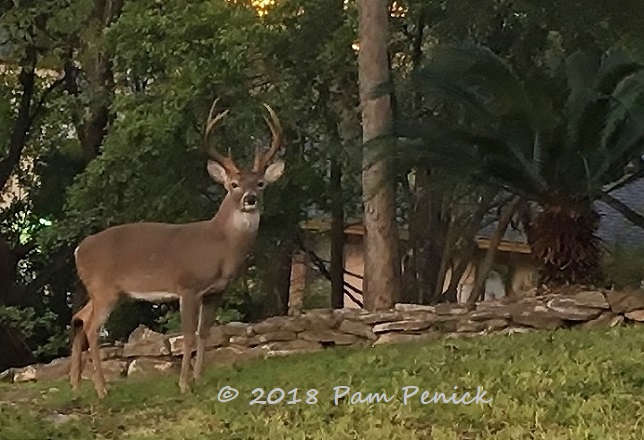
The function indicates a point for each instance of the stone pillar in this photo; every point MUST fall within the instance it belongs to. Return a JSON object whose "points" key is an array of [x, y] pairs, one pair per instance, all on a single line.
{"points": [[299, 269]]}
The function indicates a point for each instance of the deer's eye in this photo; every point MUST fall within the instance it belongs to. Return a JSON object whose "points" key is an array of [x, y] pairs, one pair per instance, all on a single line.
{"points": [[235, 185], [260, 184]]}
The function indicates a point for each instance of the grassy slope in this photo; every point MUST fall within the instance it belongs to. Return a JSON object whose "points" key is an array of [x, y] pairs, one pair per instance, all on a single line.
{"points": [[557, 385]]}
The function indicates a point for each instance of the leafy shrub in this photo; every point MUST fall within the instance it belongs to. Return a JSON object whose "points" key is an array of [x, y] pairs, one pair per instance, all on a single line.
{"points": [[32, 325], [624, 267]]}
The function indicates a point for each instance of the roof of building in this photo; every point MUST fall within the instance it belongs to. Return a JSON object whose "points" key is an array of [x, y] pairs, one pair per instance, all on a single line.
{"points": [[614, 229]]}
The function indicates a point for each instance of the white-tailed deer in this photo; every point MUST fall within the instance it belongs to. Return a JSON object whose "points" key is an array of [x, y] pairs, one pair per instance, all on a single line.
{"points": [[193, 262]]}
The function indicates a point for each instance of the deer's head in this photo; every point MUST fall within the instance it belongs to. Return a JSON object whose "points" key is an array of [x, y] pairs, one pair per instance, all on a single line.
{"points": [[246, 186]]}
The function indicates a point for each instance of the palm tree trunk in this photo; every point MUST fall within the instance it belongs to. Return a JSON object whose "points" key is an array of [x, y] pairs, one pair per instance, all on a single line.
{"points": [[562, 238]]}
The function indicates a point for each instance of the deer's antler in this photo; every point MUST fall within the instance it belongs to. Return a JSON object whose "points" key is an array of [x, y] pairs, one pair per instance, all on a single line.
{"points": [[225, 161], [263, 159]]}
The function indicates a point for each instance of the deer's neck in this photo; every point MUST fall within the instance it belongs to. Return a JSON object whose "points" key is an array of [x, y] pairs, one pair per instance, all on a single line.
{"points": [[240, 227]]}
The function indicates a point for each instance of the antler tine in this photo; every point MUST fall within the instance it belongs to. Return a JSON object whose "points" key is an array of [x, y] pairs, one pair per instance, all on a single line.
{"points": [[226, 162], [262, 160]]}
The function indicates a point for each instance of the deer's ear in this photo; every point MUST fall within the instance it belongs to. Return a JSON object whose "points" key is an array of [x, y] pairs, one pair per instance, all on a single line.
{"points": [[274, 171], [217, 172]]}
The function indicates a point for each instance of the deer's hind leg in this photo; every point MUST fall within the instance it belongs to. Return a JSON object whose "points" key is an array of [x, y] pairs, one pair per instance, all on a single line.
{"points": [[102, 306], [79, 343]]}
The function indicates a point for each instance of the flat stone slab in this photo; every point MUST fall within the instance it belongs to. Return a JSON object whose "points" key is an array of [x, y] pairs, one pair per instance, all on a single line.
{"points": [[622, 302], [536, 316], [151, 365], [402, 326], [377, 317], [635, 315], [568, 309], [414, 308], [357, 329]]}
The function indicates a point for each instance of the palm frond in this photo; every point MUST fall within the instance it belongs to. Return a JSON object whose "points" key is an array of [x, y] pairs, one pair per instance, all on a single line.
{"points": [[628, 94], [477, 70], [438, 85], [538, 153], [615, 67], [495, 159], [517, 136], [586, 126], [626, 141], [520, 135], [602, 111], [581, 72]]}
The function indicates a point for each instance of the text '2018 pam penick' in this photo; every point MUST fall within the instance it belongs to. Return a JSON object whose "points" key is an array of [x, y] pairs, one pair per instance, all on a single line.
{"points": [[345, 395]]}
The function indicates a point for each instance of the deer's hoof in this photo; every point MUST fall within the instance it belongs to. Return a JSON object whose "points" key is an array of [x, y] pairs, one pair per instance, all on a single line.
{"points": [[184, 388], [102, 392]]}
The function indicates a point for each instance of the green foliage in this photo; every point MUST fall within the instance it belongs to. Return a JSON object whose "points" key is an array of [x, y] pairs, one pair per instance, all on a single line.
{"points": [[545, 385], [170, 321], [151, 167], [317, 295], [624, 267], [32, 325]]}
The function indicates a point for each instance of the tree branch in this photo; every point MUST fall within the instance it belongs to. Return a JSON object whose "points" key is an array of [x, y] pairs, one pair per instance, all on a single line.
{"points": [[21, 251], [319, 264], [41, 102], [626, 180], [505, 217]]}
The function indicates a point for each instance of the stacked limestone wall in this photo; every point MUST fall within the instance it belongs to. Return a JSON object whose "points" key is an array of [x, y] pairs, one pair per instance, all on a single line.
{"points": [[321, 329]]}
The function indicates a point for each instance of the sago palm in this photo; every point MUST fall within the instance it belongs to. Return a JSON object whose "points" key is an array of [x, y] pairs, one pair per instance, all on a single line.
{"points": [[555, 140]]}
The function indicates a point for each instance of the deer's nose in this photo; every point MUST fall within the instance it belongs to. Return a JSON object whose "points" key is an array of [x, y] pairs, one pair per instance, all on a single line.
{"points": [[250, 199]]}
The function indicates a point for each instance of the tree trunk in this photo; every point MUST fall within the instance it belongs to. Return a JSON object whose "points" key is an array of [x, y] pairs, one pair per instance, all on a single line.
{"points": [[22, 122], [336, 198], [423, 273], [381, 285], [278, 281], [283, 279], [458, 270], [486, 265], [436, 250], [15, 352], [92, 121], [337, 236], [409, 277], [7, 271]]}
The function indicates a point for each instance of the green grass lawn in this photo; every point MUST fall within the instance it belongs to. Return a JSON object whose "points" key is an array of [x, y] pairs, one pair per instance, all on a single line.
{"points": [[550, 385]]}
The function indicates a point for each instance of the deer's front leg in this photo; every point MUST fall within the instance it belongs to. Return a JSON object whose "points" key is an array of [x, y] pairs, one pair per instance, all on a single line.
{"points": [[189, 306], [209, 305]]}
